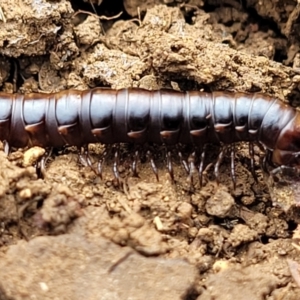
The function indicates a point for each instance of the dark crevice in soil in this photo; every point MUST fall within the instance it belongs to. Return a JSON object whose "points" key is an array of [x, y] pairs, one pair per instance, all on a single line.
{"points": [[192, 294], [292, 226], [107, 8]]}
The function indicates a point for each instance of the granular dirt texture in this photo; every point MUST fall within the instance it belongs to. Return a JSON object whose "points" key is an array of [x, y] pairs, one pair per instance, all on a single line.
{"points": [[70, 234], [94, 269]]}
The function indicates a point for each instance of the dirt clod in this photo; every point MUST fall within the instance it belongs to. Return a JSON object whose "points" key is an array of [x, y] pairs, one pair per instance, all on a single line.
{"points": [[236, 281], [97, 267], [220, 204]]}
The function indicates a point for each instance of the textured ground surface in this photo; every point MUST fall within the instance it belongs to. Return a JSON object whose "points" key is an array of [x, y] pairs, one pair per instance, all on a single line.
{"points": [[74, 236]]}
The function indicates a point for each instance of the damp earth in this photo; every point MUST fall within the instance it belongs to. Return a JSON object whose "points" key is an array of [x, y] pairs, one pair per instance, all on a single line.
{"points": [[74, 235]]}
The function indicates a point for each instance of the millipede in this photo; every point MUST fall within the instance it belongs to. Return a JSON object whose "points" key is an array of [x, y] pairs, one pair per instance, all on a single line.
{"points": [[165, 117]]}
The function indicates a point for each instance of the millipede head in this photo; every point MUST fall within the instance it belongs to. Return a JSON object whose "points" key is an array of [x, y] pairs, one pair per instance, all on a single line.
{"points": [[287, 151]]}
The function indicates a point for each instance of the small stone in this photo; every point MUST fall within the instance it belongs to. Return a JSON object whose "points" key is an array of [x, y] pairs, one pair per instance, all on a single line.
{"points": [[185, 210], [220, 204], [32, 155], [25, 194]]}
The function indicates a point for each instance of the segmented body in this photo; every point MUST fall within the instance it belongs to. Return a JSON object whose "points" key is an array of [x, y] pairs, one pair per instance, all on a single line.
{"points": [[137, 116]]}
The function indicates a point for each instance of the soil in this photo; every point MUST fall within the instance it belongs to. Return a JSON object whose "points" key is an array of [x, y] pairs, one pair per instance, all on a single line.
{"points": [[73, 235]]}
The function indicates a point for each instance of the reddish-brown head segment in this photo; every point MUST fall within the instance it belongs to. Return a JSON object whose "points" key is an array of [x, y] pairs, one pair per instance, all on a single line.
{"points": [[287, 151]]}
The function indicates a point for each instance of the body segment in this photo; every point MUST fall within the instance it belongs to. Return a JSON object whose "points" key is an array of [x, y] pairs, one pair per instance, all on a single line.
{"points": [[137, 116]]}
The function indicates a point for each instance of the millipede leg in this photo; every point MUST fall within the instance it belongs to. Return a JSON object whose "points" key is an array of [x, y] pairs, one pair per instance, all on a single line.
{"points": [[100, 165], [232, 165], [134, 164], [84, 157], [184, 163], [81, 158], [170, 166], [251, 153], [267, 160], [191, 168], [15, 76], [6, 147], [153, 166], [218, 163], [41, 167], [86, 160], [200, 171], [115, 167], [88, 157]]}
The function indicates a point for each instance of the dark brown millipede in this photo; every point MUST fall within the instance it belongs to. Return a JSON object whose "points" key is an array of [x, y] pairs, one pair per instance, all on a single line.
{"points": [[138, 116]]}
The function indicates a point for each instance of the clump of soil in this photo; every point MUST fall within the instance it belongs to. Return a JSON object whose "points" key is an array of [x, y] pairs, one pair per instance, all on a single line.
{"points": [[180, 241]]}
